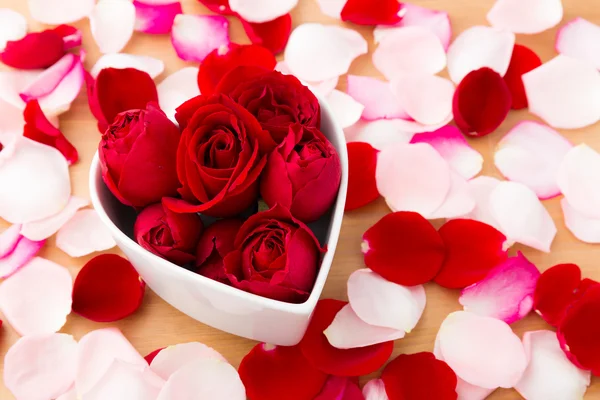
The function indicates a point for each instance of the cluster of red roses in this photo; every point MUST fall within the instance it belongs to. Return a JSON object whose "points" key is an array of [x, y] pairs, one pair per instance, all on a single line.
{"points": [[255, 135]]}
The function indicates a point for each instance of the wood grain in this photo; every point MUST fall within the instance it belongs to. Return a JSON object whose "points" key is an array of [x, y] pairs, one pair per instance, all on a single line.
{"points": [[157, 324]]}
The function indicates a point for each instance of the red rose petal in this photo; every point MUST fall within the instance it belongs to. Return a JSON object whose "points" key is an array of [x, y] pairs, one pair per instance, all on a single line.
{"points": [[523, 60], [37, 50], [218, 6], [350, 362], [472, 250], [275, 373], [419, 376], [340, 388], [362, 162], [272, 35], [404, 248], [72, 37], [367, 12], [107, 289], [481, 102], [217, 64], [150, 356], [555, 291]]}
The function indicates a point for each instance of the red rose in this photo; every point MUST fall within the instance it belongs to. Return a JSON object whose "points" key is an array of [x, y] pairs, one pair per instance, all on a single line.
{"points": [[167, 234], [219, 158], [137, 154], [275, 256], [303, 174], [215, 243], [276, 100]]}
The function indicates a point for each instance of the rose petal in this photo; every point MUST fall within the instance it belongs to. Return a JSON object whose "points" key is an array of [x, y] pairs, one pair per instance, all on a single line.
{"points": [[379, 134], [37, 50], [124, 381], [12, 83], [112, 23], [70, 395], [362, 188], [481, 102], [377, 97], [533, 16], [468, 342], [84, 234], [531, 154], [332, 8], [412, 15], [564, 92], [204, 378], [459, 200], [403, 247], [274, 372], [556, 289], [261, 10], [412, 49], [218, 6], [97, 351], [150, 65], [195, 36], [48, 80], [56, 12], [342, 388], [346, 111], [72, 37], [17, 257], [363, 13], [273, 35], [177, 88], [375, 390], [317, 52], [481, 188], [60, 98], [322, 355], [171, 358], [155, 18], [580, 39], [9, 238], [13, 26], [97, 297], [472, 250], [34, 182], [152, 355], [522, 61], [28, 378], [478, 47], [413, 177], [550, 374], [578, 180], [581, 226], [38, 298]]}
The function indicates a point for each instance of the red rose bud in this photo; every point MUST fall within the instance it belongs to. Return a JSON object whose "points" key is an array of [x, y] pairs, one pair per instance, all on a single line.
{"points": [[167, 234], [218, 159], [275, 256], [303, 174], [137, 154], [215, 243], [276, 100]]}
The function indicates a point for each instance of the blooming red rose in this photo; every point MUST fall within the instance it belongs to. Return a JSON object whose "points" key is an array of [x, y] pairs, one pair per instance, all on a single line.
{"points": [[167, 234], [215, 243], [275, 256], [275, 99], [303, 174], [137, 154], [219, 158]]}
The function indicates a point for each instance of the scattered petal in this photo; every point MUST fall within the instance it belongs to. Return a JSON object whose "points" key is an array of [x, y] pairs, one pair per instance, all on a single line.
{"points": [[379, 134], [564, 92], [259, 11], [152, 355], [70, 395], [578, 179], [218, 6], [29, 378], [49, 79], [22, 252], [582, 227], [425, 98], [84, 234], [72, 37], [177, 88], [481, 188], [375, 390], [37, 50], [64, 93], [466, 391], [56, 12], [273, 35], [332, 8], [478, 47], [362, 12], [195, 36], [150, 65], [362, 188], [317, 52], [38, 298], [107, 289], [124, 381], [171, 358], [346, 111], [580, 39], [155, 18], [522, 61], [13, 26], [112, 23], [412, 49], [9, 238], [557, 288], [533, 16], [377, 97], [342, 388], [403, 247], [459, 200]]}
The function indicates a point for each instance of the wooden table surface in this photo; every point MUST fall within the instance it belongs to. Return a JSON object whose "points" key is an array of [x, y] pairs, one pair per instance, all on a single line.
{"points": [[157, 324]]}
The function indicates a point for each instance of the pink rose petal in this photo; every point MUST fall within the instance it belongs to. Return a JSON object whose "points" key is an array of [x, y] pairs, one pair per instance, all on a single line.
{"points": [[459, 200], [550, 374], [259, 11], [426, 98], [195, 36], [9, 239], [37, 299], [152, 66], [48, 80], [412, 49], [565, 92], [13, 26], [155, 18], [379, 134], [483, 351], [521, 216], [41, 367], [124, 381], [34, 182], [478, 47], [177, 88], [97, 351], [578, 179], [506, 293], [70, 395], [582, 227], [59, 100], [452, 145], [323, 88], [84, 234], [317, 52], [348, 331], [44, 228], [375, 390], [413, 177], [332, 8], [531, 16], [580, 39], [204, 378], [377, 97], [56, 12], [346, 111], [23, 251], [13, 82], [172, 358], [481, 188], [112, 23]]}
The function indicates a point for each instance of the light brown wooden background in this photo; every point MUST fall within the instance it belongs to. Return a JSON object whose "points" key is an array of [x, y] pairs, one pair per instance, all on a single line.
{"points": [[157, 324]]}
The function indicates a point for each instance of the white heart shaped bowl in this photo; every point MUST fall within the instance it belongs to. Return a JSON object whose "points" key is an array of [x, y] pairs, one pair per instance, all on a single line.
{"points": [[213, 303]]}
